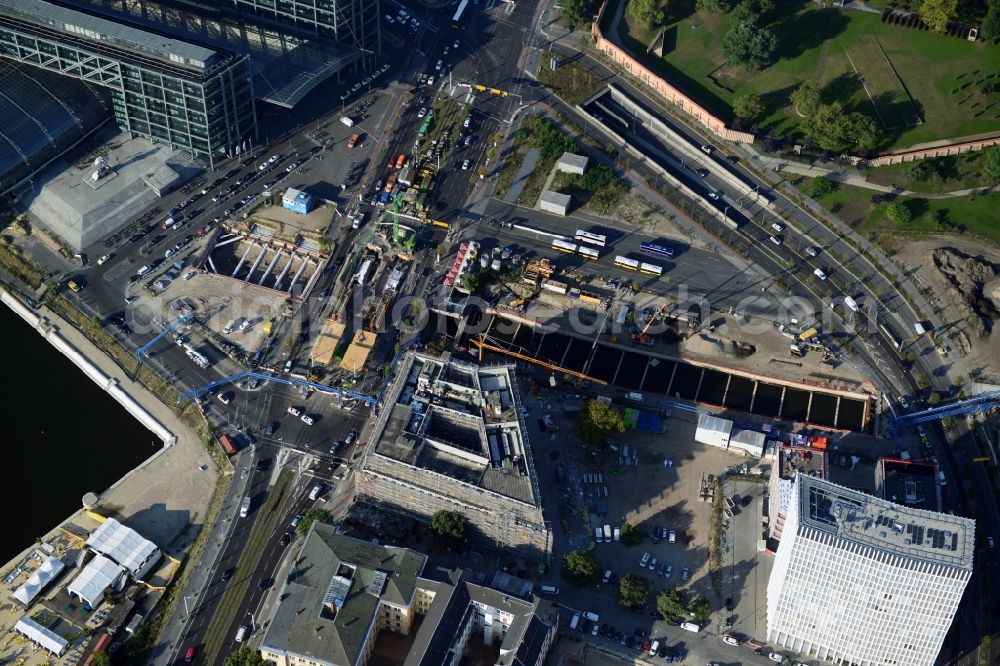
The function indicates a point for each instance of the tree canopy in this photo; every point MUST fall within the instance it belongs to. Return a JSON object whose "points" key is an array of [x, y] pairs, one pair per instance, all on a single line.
{"points": [[322, 515], [631, 535], [749, 45], [989, 28], [245, 657], [806, 98], [581, 568], [100, 658], [833, 128], [991, 161], [899, 213], [699, 610], [597, 420], [632, 591], [650, 13], [449, 526], [574, 12], [670, 604], [749, 107], [937, 13], [713, 6], [820, 186]]}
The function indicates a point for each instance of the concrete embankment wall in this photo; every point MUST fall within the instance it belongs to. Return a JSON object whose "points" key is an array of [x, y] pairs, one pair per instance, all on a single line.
{"points": [[106, 382]]}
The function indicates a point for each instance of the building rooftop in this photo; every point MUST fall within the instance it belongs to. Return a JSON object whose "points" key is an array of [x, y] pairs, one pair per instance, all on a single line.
{"points": [[572, 159], [556, 198], [902, 530], [101, 31], [909, 482], [332, 593], [461, 421]]}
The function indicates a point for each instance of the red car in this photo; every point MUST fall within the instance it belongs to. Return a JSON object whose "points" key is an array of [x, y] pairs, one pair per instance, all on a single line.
{"points": [[645, 645], [189, 657]]}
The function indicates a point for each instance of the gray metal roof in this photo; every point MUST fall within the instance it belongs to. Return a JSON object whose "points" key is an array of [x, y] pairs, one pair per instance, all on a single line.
{"points": [[893, 528], [103, 31]]}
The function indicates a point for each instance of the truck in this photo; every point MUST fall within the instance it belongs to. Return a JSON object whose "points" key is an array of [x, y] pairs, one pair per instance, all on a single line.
{"points": [[404, 176], [575, 622], [245, 507], [231, 326], [401, 160], [353, 141], [228, 445], [390, 182], [347, 121]]}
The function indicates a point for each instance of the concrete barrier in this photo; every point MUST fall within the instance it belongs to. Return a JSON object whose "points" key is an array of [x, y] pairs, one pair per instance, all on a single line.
{"points": [[106, 382]]}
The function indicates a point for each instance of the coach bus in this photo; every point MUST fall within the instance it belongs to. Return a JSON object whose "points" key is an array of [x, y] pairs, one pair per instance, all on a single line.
{"points": [[592, 239], [563, 246], [657, 250]]}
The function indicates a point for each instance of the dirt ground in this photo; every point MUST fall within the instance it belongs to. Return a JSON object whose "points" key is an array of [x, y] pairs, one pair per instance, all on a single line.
{"points": [[983, 354]]}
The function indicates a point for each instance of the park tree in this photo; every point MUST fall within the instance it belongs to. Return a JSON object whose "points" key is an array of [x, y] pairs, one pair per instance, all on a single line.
{"points": [[650, 13], [989, 29], [670, 604], [864, 129], [631, 535], [749, 45], [471, 282], [245, 657], [820, 186], [749, 107], [937, 13], [574, 12], [597, 420], [991, 161], [713, 6], [934, 398], [633, 591], [311, 516], [806, 98], [450, 527], [100, 658], [581, 568], [899, 213], [700, 610]]}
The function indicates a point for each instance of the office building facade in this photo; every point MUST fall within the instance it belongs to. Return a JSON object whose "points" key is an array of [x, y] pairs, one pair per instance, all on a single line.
{"points": [[859, 580]]}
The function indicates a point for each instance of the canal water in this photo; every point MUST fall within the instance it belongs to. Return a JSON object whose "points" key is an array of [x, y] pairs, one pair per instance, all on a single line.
{"points": [[642, 371], [64, 435]]}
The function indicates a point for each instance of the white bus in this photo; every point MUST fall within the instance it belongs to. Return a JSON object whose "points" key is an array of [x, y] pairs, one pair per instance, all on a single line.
{"points": [[587, 252], [563, 246], [593, 239], [625, 262], [650, 269]]}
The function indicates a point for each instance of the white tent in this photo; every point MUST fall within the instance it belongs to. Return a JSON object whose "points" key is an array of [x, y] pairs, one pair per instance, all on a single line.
{"points": [[96, 577], [713, 431], [125, 546], [42, 636], [749, 442], [45, 574]]}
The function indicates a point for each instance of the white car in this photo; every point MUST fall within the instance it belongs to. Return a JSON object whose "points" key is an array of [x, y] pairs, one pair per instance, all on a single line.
{"points": [[775, 657], [188, 275], [455, 45], [168, 253], [819, 273], [776, 240], [103, 259], [812, 251], [422, 112], [430, 80], [437, 67], [685, 573], [223, 398], [778, 226], [707, 149], [715, 195], [465, 165], [446, 50], [989, 541], [652, 564], [730, 640], [308, 420], [295, 411]]}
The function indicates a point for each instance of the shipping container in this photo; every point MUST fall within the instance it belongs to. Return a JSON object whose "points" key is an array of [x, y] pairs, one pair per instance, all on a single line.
{"points": [[228, 445]]}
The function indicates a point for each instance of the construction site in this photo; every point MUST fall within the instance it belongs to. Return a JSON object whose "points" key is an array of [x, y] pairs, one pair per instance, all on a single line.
{"points": [[452, 437]]}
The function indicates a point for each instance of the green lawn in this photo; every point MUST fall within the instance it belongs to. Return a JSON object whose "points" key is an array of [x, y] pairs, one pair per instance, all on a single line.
{"points": [[942, 74], [955, 172], [976, 214]]}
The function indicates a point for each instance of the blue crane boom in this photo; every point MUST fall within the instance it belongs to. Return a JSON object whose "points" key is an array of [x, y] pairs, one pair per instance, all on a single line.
{"points": [[971, 405], [294, 381], [141, 351]]}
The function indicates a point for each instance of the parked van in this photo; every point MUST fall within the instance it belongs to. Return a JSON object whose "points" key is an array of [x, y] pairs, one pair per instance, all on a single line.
{"points": [[607, 575], [592, 616], [575, 622], [690, 626], [317, 489], [851, 303], [548, 589], [230, 326], [634, 395], [618, 533], [607, 533], [347, 121], [245, 507], [142, 271], [654, 648], [241, 633], [598, 535]]}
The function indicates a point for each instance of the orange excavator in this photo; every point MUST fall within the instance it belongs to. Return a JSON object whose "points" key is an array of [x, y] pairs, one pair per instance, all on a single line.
{"points": [[641, 338]]}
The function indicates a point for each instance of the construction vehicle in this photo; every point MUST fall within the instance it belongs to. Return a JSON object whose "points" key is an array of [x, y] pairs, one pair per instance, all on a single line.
{"points": [[641, 338], [353, 141], [390, 182]]}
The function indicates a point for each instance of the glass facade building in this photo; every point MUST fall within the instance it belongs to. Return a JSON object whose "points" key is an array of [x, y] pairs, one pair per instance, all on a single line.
{"points": [[860, 580]]}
